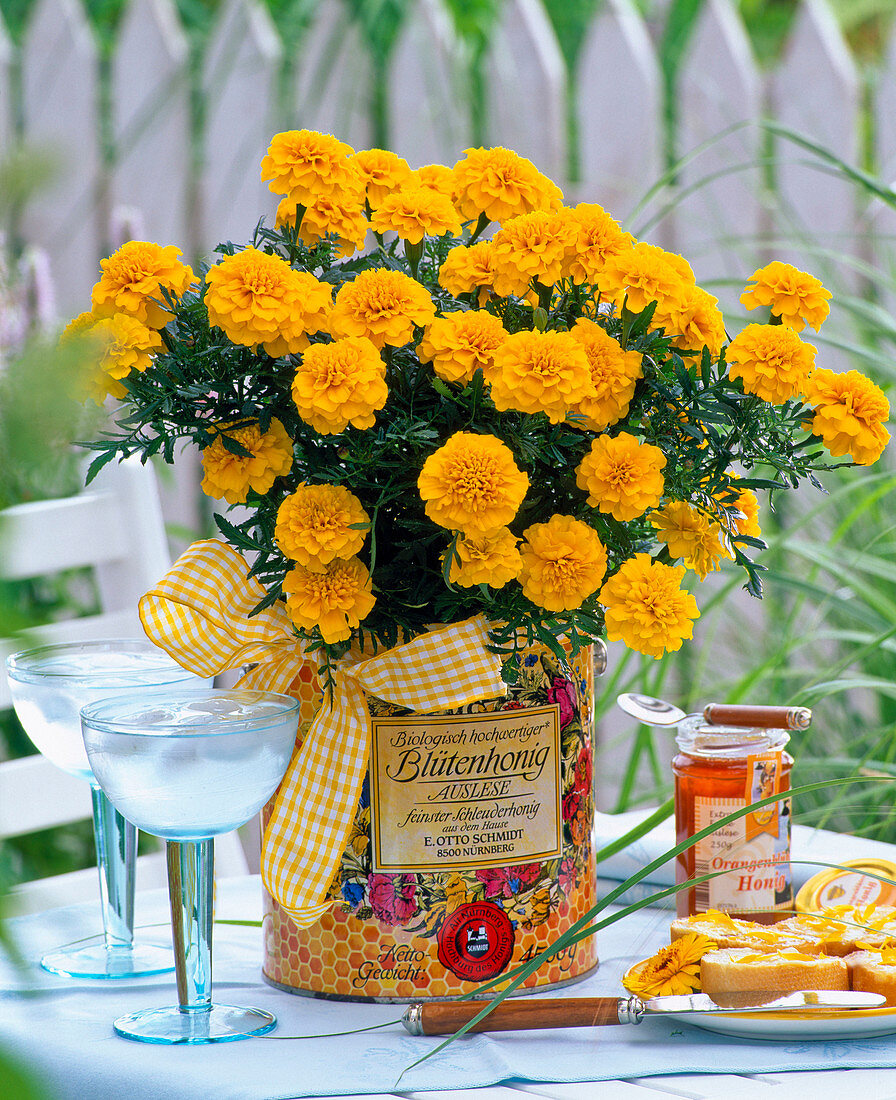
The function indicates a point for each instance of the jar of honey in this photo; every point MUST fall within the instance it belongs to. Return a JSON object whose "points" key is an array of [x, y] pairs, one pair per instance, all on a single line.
{"points": [[718, 770]]}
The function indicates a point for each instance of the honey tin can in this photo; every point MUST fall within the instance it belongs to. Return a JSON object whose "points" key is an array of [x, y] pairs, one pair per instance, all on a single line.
{"points": [[471, 850]]}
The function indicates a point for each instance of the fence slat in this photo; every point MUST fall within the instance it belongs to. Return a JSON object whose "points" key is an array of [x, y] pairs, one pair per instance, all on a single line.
{"points": [[816, 93], [59, 106], [151, 124], [6, 112], [719, 100], [429, 117], [334, 77], [151, 183], [239, 81], [618, 108], [526, 88], [881, 217]]}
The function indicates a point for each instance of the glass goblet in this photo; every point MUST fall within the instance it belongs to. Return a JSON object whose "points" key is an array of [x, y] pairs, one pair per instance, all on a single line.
{"points": [[187, 766], [49, 685]]}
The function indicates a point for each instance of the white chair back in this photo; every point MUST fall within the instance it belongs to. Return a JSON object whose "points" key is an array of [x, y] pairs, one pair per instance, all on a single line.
{"points": [[116, 528]]}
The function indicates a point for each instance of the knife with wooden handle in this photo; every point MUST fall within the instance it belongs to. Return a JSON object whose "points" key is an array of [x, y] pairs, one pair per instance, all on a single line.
{"points": [[526, 1014]]}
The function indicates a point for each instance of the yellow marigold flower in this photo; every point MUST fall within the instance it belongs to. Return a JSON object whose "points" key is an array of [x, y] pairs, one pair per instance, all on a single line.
{"points": [[437, 177], [328, 215], [646, 608], [381, 172], [747, 521], [772, 361], [531, 246], [467, 268], [382, 305], [691, 536], [472, 484], [739, 515], [614, 374], [544, 372], [672, 970], [305, 165], [646, 274], [460, 343], [318, 523], [133, 280], [122, 345], [416, 212], [334, 600], [491, 559], [850, 412], [340, 384], [501, 184], [598, 237], [793, 295], [564, 562], [693, 318], [622, 476], [231, 476], [258, 299]]}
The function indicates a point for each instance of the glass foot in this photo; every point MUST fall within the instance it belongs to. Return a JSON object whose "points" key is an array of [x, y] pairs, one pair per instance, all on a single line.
{"points": [[217, 1024], [95, 960]]}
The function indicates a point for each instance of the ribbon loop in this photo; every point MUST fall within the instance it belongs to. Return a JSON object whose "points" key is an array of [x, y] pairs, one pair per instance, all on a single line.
{"points": [[200, 614]]}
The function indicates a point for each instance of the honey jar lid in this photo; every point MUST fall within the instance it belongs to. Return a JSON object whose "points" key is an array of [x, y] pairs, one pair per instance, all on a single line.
{"points": [[850, 886], [705, 739]]}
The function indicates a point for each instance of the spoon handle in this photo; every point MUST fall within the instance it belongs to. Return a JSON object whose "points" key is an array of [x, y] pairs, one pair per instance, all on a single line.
{"points": [[788, 718]]}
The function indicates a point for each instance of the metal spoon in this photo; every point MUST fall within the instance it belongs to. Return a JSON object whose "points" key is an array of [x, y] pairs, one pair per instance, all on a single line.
{"points": [[650, 711]]}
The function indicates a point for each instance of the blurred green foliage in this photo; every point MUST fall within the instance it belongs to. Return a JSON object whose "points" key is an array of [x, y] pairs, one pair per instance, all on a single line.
{"points": [[40, 417]]}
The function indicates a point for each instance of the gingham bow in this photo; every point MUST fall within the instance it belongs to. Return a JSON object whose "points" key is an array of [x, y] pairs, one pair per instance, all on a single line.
{"points": [[199, 613]]}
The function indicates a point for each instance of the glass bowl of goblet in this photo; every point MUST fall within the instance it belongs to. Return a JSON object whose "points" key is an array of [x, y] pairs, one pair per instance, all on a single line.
{"points": [[188, 766], [49, 684]]}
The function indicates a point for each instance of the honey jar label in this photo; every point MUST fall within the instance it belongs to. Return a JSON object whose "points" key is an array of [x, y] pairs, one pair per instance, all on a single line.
{"points": [[750, 857], [763, 781], [465, 791]]}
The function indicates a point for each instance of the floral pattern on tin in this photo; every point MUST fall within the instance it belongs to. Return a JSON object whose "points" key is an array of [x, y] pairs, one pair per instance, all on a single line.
{"points": [[528, 893]]}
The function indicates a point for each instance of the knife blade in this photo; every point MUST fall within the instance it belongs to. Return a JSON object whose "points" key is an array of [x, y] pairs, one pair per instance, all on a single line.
{"points": [[525, 1014]]}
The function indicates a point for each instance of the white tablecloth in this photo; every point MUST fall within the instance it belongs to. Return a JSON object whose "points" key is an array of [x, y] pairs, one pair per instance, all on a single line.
{"points": [[62, 1029]]}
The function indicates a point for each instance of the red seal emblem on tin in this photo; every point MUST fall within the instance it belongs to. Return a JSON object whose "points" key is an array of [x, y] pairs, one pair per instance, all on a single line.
{"points": [[476, 941]]}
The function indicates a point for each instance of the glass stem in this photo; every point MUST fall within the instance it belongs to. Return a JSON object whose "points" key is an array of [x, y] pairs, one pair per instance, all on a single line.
{"points": [[116, 853], [191, 866]]}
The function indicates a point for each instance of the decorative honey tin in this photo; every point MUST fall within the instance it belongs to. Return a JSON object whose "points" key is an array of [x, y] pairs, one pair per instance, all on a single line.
{"points": [[471, 849]]}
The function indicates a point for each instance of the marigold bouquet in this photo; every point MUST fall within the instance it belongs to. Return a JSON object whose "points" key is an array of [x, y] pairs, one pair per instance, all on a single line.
{"points": [[442, 392]]}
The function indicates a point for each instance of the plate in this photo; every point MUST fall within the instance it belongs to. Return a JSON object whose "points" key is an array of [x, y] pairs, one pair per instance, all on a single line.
{"points": [[783, 1027]]}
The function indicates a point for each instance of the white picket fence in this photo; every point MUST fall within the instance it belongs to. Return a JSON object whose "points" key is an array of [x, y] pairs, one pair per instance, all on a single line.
{"points": [[151, 184]]}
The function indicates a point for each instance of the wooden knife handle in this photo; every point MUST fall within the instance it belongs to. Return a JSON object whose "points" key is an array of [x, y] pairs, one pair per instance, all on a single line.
{"points": [[445, 1017]]}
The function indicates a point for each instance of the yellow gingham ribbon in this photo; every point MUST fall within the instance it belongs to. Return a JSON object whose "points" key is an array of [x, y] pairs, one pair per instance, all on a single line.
{"points": [[199, 613]]}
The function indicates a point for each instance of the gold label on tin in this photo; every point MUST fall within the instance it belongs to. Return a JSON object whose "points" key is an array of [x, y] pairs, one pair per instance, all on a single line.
{"points": [[465, 791]]}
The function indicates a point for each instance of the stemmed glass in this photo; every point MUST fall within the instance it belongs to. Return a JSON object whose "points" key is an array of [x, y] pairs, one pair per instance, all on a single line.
{"points": [[187, 766], [49, 685]]}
